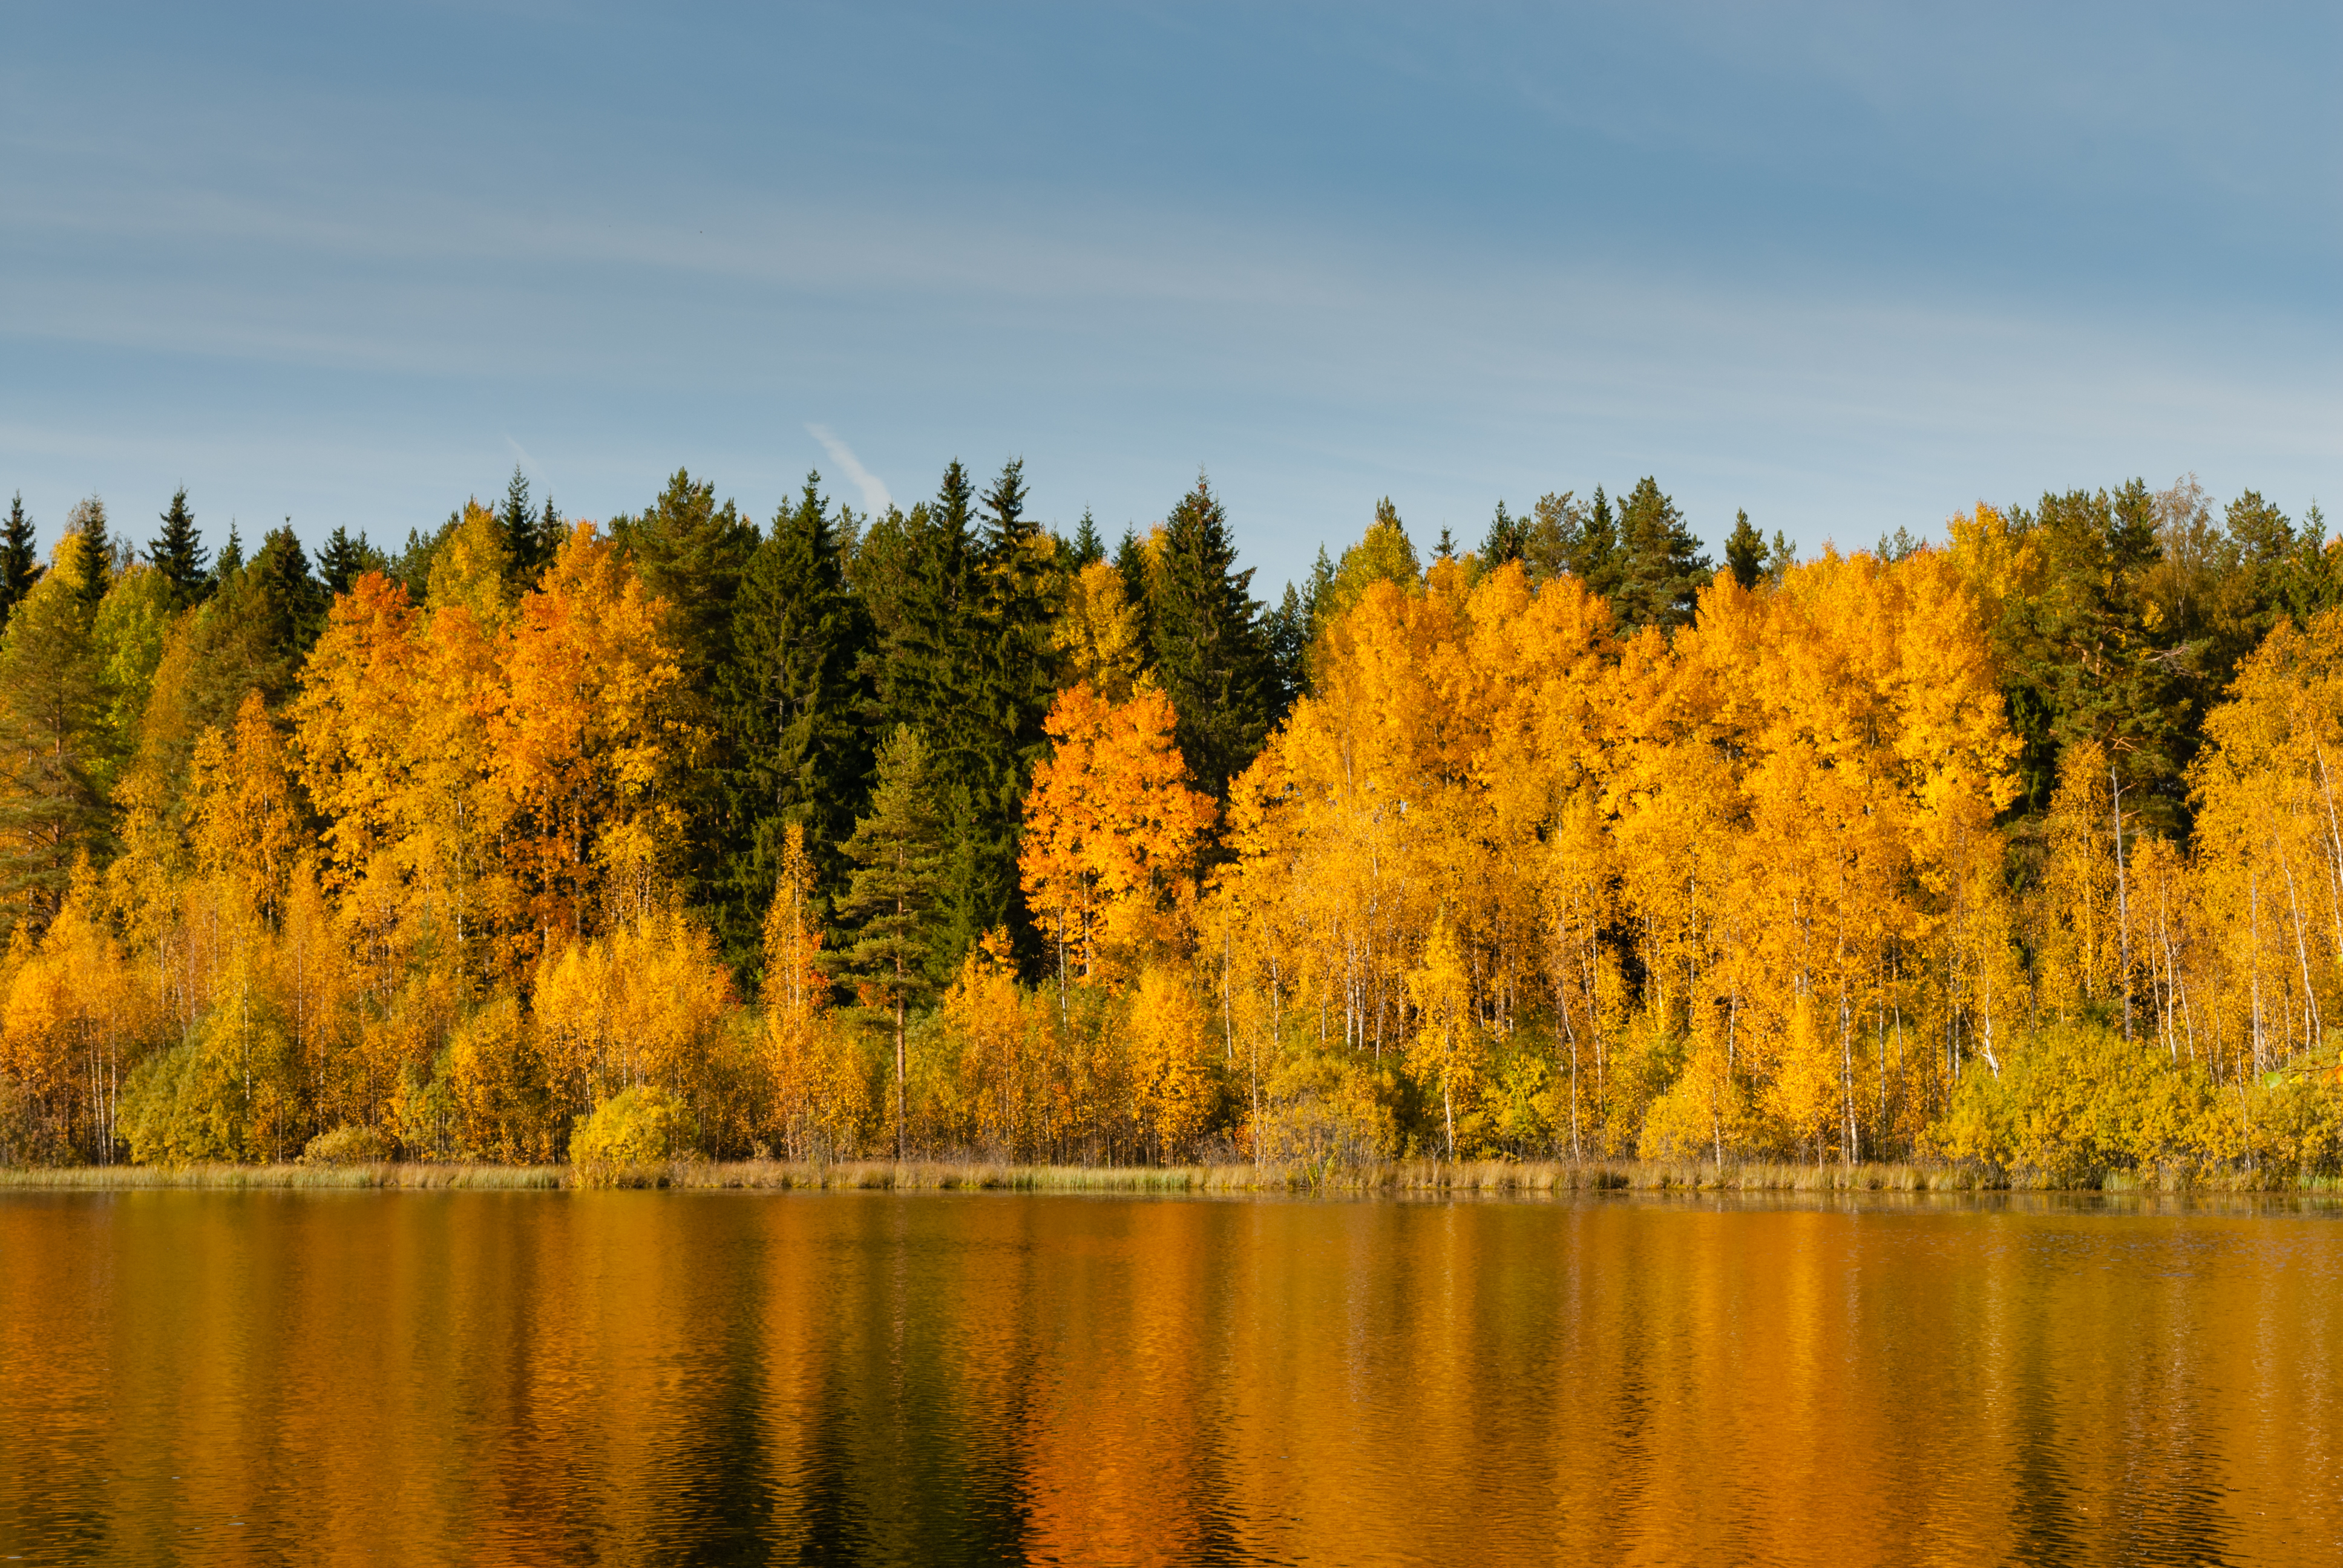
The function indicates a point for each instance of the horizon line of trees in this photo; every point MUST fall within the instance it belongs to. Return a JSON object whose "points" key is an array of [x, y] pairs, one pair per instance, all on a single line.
{"points": [[939, 829]]}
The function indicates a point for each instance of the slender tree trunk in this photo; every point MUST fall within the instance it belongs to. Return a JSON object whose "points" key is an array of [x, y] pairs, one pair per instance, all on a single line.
{"points": [[2123, 901]]}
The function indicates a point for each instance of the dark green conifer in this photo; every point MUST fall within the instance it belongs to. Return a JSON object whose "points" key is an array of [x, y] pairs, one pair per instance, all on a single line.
{"points": [[1662, 568], [1507, 540], [528, 552], [20, 563], [54, 742], [1745, 551], [691, 553], [1210, 650], [344, 560], [1085, 548], [179, 555], [1594, 556], [796, 708], [1016, 671], [88, 519], [1287, 629], [231, 557], [889, 903]]}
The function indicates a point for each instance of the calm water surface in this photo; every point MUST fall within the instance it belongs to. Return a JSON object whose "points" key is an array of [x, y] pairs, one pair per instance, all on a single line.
{"points": [[648, 1377]]}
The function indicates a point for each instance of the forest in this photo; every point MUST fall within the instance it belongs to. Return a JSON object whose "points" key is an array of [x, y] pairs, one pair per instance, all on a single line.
{"points": [[942, 833]]}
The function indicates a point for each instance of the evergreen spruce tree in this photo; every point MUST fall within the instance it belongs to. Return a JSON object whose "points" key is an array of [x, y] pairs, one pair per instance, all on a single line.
{"points": [[889, 905], [1138, 582], [1507, 540], [878, 570], [527, 550], [87, 520], [1287, 629], [692, 553], [1594, 556], [932, 675], [796, 708], [552, 532], [1017, 679], [1445, 549], [280, 606], [1086, 548], [1318, 598], [1210, 651], [20, 566], [179, 555], [1745, 551], [344, 560], [231, 558]]}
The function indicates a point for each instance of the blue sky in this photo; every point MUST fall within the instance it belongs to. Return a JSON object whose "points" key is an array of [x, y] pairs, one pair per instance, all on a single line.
{"points": [[1850, 267]]}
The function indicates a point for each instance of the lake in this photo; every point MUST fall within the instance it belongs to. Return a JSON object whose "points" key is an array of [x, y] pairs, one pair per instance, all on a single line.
{"points": [[689, 1377]]}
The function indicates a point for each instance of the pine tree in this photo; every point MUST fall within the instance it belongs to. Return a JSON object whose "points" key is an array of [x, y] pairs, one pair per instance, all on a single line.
{"points": [[796, 707], [1210, 652], [20, 567], [888, 903], [1554, 535], [1745, 551], [2082, 661], [1780, 556], [52, 739], [691, 553], [178, 553], [1662, 567]]}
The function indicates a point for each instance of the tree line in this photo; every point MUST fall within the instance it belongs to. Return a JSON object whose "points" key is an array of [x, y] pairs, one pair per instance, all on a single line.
{"points": [[939, 831]]}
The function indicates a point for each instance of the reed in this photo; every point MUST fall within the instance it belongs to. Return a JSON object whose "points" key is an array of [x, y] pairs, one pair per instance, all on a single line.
{"points": [[284, 1177], [1404, 1178]]}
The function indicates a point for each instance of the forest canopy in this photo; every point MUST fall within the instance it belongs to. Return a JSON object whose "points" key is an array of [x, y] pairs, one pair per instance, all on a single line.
{"points": [[941, 832]]}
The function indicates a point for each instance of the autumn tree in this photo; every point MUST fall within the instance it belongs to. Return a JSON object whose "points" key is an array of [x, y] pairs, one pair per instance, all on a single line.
{"points": [[1111, 830]]}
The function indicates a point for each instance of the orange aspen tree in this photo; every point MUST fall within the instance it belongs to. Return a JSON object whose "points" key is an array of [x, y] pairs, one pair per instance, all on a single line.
{"points": [[1111, 829], [586, 743]]}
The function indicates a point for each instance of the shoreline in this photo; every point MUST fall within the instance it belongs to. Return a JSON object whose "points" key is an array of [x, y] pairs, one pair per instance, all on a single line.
{"points": [[1397, 1179]]}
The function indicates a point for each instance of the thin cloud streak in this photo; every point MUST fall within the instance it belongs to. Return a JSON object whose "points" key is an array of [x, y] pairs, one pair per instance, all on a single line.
{"points": [[874, 490]]}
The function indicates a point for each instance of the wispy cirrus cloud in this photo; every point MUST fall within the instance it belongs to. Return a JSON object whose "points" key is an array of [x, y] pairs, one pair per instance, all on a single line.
{"points": [[875, 497]]}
